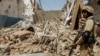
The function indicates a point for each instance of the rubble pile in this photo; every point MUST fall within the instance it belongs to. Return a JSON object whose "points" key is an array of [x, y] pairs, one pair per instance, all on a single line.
{"points": [[45, 37], [49, 37]]}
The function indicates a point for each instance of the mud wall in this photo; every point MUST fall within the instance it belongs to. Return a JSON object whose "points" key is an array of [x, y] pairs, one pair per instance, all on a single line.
{"points": [[13, 8]]}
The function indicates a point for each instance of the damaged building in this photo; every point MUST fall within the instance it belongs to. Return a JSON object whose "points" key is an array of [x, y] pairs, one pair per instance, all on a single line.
{"points": [[13, 11], [31, 31], [96, 5]]}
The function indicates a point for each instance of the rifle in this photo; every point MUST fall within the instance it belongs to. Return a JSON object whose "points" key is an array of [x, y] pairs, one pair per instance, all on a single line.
{"points": [[76, 38]]}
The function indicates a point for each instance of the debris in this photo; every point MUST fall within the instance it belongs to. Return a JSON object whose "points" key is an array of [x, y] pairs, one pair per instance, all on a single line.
{"points": [[52, 37]]}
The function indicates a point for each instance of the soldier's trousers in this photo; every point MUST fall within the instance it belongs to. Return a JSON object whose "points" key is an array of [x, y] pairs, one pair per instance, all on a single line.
{"points": [[86, 50]]}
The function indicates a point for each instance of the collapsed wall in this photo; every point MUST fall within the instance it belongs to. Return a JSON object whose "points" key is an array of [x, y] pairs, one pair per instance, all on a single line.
{"points": [[96, 5], [13, 8], [23, 9]]}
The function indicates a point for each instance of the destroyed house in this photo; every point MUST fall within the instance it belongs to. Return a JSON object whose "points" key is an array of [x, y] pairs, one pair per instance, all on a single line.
{"points": [[16, 9]]}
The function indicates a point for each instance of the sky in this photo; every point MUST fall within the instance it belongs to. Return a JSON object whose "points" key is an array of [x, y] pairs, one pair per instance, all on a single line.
{"points": [[53, 4], [85, 1]]}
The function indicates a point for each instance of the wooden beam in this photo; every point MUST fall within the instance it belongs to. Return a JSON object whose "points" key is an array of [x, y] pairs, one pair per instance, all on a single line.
{"points": [[74, 15], [75, 12]]}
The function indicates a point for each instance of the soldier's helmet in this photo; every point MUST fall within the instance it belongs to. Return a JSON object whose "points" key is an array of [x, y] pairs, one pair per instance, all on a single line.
{"points": [[89, 9]]}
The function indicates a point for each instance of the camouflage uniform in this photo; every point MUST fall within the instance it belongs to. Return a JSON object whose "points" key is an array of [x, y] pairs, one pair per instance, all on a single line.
{"points": [[86, 24]]}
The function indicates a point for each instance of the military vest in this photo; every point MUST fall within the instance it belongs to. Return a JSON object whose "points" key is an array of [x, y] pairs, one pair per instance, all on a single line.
{"points": [[82, 23]]}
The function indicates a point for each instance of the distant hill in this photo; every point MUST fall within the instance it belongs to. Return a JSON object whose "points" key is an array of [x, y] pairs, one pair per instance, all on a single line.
{"points": [[48, 15]]}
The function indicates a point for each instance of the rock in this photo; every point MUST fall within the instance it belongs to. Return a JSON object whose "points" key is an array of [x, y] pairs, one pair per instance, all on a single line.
{"points": [[7, 50], [96, 49], [97, 53], [64, 53], [68, 27], [3, 46], [26, 49], [22, 34]]}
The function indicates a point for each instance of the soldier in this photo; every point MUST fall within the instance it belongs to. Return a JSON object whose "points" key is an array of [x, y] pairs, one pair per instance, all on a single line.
{"points": [[86, 26], [98, 28]]}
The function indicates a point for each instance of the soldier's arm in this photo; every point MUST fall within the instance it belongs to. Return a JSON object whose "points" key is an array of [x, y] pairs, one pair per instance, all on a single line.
{"points": [[89, 25]]}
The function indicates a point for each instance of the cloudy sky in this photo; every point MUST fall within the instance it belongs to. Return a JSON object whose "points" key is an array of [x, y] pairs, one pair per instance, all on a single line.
{"points": [[53, 4]]}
